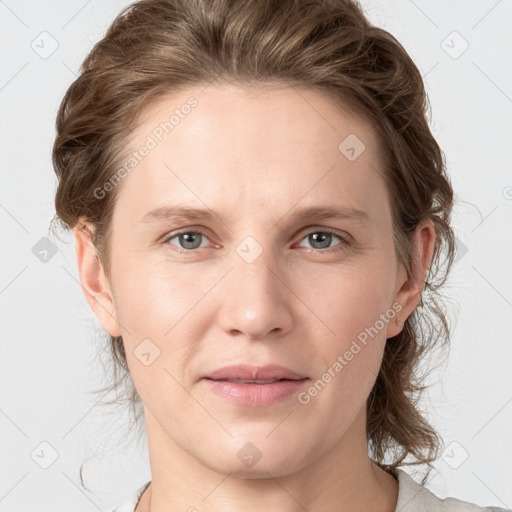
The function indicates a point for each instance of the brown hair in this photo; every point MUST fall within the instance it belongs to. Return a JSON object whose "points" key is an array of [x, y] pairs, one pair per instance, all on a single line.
{"points": [[154, 47]]}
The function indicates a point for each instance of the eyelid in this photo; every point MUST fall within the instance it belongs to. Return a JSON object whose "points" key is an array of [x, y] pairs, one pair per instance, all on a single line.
{"points": [[323, 229], [345, 238], [173, 234]]}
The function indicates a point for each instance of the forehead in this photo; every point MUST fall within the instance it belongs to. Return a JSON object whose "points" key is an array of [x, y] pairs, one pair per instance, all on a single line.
{"points": [[272, 113], [271, 143]]}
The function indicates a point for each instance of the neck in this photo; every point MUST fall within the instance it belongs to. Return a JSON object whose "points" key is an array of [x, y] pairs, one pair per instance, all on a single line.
{"points": [[343, 479]]}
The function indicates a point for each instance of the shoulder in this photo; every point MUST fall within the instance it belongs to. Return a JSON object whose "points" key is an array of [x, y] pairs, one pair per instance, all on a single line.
{"points": [[131, 501], [412, 497]]}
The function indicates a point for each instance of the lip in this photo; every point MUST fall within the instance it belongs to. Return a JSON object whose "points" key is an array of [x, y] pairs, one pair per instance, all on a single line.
{"points": [[252, 394], [248, 372]]}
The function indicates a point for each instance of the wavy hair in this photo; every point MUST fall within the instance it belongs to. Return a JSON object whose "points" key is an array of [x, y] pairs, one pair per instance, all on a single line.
{"points": [[155, 47]]}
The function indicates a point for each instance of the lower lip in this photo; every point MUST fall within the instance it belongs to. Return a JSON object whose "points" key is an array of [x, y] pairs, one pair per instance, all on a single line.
{"points": [[254, 395]]}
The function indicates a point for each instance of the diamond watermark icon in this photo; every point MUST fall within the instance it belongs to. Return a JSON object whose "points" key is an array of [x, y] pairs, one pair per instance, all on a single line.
{"points": [[44, 249], [460, 250], [146, 352], [454, 45], [351, 147], [249, 454], [249, 249], [44, 45], [455, 455], [44, 455]]}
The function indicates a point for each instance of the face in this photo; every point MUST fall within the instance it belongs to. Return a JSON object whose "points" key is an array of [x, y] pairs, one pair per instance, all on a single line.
{"points": [[260, 279]]}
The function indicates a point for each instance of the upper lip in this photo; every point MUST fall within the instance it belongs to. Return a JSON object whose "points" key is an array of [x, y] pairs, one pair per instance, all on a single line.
{"points": [[247, 372]]}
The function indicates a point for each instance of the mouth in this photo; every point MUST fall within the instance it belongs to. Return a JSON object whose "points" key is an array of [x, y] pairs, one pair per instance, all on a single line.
{"points": [[255, 381], [254, 386], [243, 373]]}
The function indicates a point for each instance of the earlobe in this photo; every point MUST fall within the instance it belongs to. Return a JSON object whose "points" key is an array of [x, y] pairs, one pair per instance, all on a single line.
{"points": [[93, 280], [410, 285]]}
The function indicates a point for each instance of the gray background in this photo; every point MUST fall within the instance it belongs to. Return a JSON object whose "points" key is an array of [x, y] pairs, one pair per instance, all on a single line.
{"points": [[49, 363]]}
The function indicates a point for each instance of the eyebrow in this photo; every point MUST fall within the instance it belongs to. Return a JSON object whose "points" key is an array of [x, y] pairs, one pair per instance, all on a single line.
{"points": [[164, 213]]}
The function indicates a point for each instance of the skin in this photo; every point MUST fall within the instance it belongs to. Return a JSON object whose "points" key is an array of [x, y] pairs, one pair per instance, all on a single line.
{"points": [[254, 155]]}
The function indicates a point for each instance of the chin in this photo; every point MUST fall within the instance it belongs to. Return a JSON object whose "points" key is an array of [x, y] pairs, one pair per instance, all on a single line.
{"points": [[260, 471], [257, 457]]}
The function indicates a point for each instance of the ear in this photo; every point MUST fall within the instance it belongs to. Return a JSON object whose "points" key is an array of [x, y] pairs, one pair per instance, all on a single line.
{"points": [[410, 286], [93, 280]]}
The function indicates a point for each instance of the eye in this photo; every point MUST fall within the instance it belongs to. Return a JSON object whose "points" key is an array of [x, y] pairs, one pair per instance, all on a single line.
{"points": [[188, 240], [323, 239]]}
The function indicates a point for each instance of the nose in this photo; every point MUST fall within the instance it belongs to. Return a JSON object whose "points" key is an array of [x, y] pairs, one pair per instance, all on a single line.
{"points": [[257, 301]]}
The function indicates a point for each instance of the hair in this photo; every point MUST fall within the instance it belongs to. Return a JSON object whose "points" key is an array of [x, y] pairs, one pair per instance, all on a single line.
{"points": [[156, 47]]}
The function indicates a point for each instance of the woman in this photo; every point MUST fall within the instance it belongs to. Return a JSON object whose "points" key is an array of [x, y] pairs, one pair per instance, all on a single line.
{"points": [[260, 211]]}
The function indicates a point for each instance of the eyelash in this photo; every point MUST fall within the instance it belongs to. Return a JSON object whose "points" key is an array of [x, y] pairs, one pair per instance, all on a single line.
{"points": [[345, 242]]}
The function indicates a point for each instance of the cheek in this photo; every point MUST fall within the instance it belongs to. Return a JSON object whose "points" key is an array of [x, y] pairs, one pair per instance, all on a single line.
{"points": [[152, 298], [352, 306], [172, 303], [164, 312], [156, 299], [353, 297], [159, 329]]}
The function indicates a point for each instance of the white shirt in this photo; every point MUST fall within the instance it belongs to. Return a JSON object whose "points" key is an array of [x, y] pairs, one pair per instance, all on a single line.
{"points": [[412, 497]]}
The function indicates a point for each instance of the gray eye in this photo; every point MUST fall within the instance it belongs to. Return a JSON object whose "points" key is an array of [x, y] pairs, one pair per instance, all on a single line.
{"points": [[189, 239], [321, 239]]}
